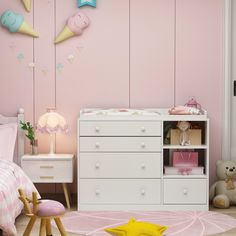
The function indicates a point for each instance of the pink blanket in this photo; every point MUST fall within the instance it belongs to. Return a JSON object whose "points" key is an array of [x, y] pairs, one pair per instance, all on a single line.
{"points": [[11, 178]]}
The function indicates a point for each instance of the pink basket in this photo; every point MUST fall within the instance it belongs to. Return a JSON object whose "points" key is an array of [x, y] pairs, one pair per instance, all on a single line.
{"points": [[185, 159]]}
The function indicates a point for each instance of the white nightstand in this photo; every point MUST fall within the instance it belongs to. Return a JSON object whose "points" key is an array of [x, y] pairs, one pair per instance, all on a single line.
{"points": [[47, 168]]}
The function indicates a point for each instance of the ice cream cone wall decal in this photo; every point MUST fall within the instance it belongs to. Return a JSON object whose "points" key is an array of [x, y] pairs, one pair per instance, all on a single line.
{"points": [[15, 23], [74, 27], [82, 3], [27, 4]]}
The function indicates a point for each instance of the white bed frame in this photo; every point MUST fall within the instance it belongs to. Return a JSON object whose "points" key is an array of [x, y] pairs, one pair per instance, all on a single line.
{"points": [[19, 148]]}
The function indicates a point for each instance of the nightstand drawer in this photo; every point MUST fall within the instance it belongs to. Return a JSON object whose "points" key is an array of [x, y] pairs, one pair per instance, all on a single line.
{"points": [[48, 171], [120, 165], [118, 191], [120, 128], [185, 191], [120, 144]]}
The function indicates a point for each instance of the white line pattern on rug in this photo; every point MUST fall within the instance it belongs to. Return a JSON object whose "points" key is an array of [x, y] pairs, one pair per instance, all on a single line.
{"points": [[181, 223]]}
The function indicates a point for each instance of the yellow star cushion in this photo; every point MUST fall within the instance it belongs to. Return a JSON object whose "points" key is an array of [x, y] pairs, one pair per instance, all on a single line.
{"points": [[134, 228]]}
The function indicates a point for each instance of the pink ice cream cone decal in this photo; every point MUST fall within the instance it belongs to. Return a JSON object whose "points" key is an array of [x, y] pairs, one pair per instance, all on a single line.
{"points": [[74, 27]]}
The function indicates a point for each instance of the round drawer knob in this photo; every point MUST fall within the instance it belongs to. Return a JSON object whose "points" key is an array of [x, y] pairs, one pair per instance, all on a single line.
{"points": [[97, 165], [97, 192], [143, 129], [143, 192], [97, 129], [97, 145], [143, 145], [143, 166], [185, 191]]}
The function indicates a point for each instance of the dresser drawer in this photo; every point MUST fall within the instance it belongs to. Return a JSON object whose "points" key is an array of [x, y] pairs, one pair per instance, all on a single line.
{"points": [[48, 171], [120, 165], [120, 128], [185, 191], [118, 191], [120, 144]]}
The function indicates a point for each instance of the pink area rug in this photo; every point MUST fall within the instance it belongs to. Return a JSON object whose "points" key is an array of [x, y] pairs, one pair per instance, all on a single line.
{"points": [[181, 223]]}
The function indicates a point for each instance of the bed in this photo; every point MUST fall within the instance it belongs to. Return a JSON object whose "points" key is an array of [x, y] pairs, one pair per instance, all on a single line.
{"points": [[11, 175]]}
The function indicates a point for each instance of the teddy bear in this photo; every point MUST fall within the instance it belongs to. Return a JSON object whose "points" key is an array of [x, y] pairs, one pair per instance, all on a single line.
{"points": [[223, 191]]}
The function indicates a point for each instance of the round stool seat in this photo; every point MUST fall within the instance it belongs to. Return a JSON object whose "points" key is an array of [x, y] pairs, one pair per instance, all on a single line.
{"points": [[49, 208]]}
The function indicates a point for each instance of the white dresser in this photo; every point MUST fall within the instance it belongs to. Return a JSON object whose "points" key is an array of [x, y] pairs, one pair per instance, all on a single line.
{"points": [[121, 156]]}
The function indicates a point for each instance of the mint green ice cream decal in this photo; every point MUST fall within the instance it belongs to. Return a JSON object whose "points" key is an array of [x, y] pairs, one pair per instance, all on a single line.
{"points": [[15, 23], [11, 20]]}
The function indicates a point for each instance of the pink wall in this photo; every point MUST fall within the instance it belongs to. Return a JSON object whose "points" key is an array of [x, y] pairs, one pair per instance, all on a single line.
{"points": [[153, 53]]}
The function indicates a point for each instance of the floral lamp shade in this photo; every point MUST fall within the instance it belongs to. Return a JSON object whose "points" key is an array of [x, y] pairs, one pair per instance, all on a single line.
{"points": [[51, 122]]}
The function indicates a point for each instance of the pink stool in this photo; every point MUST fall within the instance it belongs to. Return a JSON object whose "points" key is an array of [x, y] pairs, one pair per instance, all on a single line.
{"points": [[46, 210]]}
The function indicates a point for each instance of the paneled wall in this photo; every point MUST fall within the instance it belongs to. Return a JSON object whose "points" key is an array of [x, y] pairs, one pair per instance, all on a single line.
{"points": [[135, 53]]}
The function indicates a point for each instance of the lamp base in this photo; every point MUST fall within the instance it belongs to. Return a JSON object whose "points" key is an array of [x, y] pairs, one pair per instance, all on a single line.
{"points": [[52, 144]]}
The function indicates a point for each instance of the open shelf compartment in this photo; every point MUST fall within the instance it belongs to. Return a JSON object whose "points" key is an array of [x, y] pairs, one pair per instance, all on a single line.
{"points": [[185, 170]]}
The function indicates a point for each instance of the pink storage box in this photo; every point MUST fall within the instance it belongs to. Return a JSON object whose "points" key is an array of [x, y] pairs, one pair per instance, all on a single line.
{"points": [[184, 170], [185, 159]]}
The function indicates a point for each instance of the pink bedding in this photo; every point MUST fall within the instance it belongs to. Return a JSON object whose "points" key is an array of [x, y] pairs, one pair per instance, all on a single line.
{"points": [[11, 178]]}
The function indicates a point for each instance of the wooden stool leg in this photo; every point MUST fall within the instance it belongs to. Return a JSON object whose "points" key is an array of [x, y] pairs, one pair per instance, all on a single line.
{"points": [[30, 226], [42, 231], [69, 194], [48, 227], [60, 226], [65, 189]]}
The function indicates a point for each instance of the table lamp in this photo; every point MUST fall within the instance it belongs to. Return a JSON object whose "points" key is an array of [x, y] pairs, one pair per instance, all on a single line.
{"points": [[51, 122]]}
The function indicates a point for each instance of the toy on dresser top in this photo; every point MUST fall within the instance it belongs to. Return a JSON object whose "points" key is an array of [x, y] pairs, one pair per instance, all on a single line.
{"points": [[192, 107]]}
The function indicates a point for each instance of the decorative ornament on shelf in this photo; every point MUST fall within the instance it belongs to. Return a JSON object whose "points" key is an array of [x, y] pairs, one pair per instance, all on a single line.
{"points": [[15, 23], [137, 228], [27, 4], [184, 126], [92, 3], [51, 122], [30, 134], [74, 27]]}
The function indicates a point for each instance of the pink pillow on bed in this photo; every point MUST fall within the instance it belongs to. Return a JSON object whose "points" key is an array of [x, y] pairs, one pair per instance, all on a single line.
{"points": [[7, 141]]}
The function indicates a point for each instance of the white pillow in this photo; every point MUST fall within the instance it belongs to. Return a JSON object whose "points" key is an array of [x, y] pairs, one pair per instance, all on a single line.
{"points": [[7, 141]]}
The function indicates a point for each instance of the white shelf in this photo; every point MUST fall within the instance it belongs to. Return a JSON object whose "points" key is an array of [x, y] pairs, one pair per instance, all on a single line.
{"points": [[185, 147], [185, 176]]}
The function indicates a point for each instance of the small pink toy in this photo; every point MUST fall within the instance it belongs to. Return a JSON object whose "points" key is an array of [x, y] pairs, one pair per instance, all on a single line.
{"points": [[193, 103], [75, 26]]}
